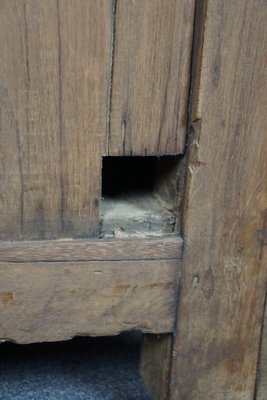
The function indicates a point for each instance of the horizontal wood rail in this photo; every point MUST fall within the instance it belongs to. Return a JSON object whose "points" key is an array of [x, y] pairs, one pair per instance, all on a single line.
{"points": [[167, 248], [54, 290]]}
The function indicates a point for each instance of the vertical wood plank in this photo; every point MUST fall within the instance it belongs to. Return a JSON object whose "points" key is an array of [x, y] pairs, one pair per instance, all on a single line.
{"points": [[54, 93], [155, 364], [224, 273], [29, 131], [156, 351], [85, 33], [150, 76]]}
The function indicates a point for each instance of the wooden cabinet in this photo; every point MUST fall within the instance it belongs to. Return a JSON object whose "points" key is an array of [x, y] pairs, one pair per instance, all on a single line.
{"points": [[132, 175]]}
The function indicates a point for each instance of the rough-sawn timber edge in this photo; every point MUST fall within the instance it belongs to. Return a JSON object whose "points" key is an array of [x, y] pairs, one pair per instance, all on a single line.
{"points": [[164, 248], [53, 296]]}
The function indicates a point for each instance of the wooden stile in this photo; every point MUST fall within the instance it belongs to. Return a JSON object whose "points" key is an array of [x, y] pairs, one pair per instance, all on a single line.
{"points": [[155, 364], [224, 272]]}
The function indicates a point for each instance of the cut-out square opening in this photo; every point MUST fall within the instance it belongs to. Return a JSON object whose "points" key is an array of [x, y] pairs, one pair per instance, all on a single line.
{"points": [[139, 196], [122, 175]]}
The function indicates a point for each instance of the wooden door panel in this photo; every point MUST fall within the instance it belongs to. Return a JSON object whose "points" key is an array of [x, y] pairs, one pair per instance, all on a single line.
{"points": [[54, 82]]}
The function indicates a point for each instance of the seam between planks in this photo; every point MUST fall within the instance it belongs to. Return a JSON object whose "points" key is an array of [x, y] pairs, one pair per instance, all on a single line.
{"points": [[111, 71]]}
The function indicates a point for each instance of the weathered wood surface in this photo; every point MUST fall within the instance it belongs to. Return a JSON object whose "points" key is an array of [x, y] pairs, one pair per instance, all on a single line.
{"points": [[30, 193], [165, 248], [262, 369], [85, 28], [151, 69], [155, 364], [56, 301], [54, 94], [224, 274]]}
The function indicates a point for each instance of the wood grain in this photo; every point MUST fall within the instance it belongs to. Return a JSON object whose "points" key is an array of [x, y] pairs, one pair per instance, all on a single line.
{"points": [[224, 274], [85, 28], [155, 362], [150, 83], [30, 193], [165, 248], [262, 370], [56, 301], [54, 94]]}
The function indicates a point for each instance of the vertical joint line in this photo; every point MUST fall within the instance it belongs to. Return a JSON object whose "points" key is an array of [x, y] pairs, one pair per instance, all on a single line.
{"points": [[111, 66], [28, 86], [21, 178], [60, 120], [28, 79], [196, 56], [200, 12], [27, 47], [200, 15]]}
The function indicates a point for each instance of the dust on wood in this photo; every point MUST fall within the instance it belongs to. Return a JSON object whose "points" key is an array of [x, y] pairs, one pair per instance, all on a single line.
{"points": [[137, 215]]}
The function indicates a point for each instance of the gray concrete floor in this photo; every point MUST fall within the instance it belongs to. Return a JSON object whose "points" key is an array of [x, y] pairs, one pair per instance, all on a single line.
{"points": [[83, 368]]}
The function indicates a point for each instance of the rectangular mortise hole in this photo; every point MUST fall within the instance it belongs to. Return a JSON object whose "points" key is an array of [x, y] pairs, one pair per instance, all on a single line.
{"points": [[140, 196]]}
